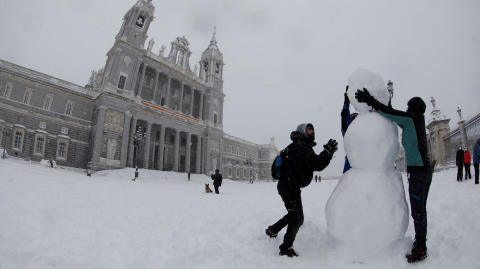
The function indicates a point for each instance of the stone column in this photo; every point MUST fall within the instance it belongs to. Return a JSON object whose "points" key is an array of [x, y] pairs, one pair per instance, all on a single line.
{"points": [[146, 151], [176, 151], [125, 139], [162, 145], [180, 106], [141, 81], [131, 146], [200, 115], [135, 75], [220, 157], [167, 94], [97, 142], [187, 154], [191, 101], [199, 152], [205, 155], [155, 85]]}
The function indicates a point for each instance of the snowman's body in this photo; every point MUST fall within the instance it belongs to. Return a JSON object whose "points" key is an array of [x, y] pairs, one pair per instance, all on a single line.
{"points": [[367, 210]]}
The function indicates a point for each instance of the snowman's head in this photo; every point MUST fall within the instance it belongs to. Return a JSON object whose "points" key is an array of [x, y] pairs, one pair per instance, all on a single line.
{"points": [[363, 78]]}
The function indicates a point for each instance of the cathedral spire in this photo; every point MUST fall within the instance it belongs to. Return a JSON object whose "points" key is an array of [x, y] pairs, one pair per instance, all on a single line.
{"points": [[211, 63], [214, 39]]}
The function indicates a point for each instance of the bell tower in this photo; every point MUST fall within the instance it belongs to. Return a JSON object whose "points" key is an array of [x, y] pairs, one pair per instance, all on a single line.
{"points": [[211, 65], [136, 23]]}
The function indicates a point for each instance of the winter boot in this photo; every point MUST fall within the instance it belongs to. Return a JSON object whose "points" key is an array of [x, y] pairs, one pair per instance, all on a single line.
{"points": [[289, 252], [270, 233], [419, 252]]}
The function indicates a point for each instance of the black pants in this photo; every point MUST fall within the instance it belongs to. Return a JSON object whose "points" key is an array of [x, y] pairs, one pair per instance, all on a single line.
{"points": [[460, 172], [291, 196], [216, 188], [475, 167], [468, 175], [419, 185]]}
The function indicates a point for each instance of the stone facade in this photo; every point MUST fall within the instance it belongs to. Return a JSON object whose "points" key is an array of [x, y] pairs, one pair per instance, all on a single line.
{"points": [[141, 109], [438, 127]]}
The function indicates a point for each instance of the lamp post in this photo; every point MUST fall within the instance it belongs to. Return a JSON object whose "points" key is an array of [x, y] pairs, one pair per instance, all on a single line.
{"points": [[250, 163], [137, 140], [6, 131], [390, 91]]}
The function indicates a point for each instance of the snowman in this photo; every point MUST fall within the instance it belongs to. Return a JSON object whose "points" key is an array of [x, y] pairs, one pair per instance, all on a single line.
{"points": [[367, 211]]}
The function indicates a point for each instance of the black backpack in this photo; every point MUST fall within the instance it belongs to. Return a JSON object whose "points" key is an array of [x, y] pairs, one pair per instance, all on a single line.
{"points": [[279, 163]]}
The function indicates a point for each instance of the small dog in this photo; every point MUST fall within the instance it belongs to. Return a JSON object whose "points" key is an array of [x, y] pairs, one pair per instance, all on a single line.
{"points": [[207, 188]]}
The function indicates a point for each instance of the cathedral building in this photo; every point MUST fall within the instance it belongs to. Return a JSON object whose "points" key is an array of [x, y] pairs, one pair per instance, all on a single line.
{"points": [[142, 109]]}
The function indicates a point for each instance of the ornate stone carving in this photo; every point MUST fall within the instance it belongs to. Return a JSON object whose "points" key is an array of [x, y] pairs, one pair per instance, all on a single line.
{"points": [[150, 45], [111, 148], [162, 51], [127, 60], [114, 119], [214, 146]]}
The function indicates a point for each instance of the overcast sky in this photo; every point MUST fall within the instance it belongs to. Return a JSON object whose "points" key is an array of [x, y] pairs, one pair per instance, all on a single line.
{"points": [[287, 62]]}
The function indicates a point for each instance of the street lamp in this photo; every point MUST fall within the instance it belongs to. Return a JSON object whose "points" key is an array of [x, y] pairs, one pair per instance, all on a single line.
{"points": [[138, 136], [6, 131]]}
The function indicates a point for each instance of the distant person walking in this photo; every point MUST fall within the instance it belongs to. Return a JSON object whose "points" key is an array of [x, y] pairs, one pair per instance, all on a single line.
{"points": [[316, 178], [459, 163], [467, 158], [476, 159], [188, 176]]}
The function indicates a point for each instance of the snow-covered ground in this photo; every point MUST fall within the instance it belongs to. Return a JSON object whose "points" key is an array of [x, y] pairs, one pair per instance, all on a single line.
{"points": [[60, 218]]}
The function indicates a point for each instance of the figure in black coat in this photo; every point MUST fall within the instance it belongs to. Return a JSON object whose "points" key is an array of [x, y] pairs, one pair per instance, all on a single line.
{"points": [[297, 172], [217, 180], [459, 162]]}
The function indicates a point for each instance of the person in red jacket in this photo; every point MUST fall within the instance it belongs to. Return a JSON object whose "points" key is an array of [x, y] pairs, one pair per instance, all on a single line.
{"points": [[467, 158]]}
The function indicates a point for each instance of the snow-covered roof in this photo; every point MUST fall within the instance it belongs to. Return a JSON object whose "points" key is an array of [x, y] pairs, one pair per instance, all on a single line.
{"points": [[41, 131], [68, 86], [64, 136]]}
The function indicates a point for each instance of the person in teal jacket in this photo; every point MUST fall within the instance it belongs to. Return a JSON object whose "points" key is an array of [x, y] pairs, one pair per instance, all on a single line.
{"points": [[414, 141]]}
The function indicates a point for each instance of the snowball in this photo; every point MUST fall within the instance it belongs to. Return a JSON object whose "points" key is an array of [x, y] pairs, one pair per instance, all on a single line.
{"points": [[363, 78], [371, 142]]}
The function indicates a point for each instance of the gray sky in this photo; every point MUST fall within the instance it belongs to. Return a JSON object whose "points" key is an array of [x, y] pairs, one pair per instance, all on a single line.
{"points": [[287, 62]]}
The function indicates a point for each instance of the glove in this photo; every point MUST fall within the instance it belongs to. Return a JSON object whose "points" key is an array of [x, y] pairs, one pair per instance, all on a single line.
{"points": [[364, 97], [331, 147], [346, 100]]}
